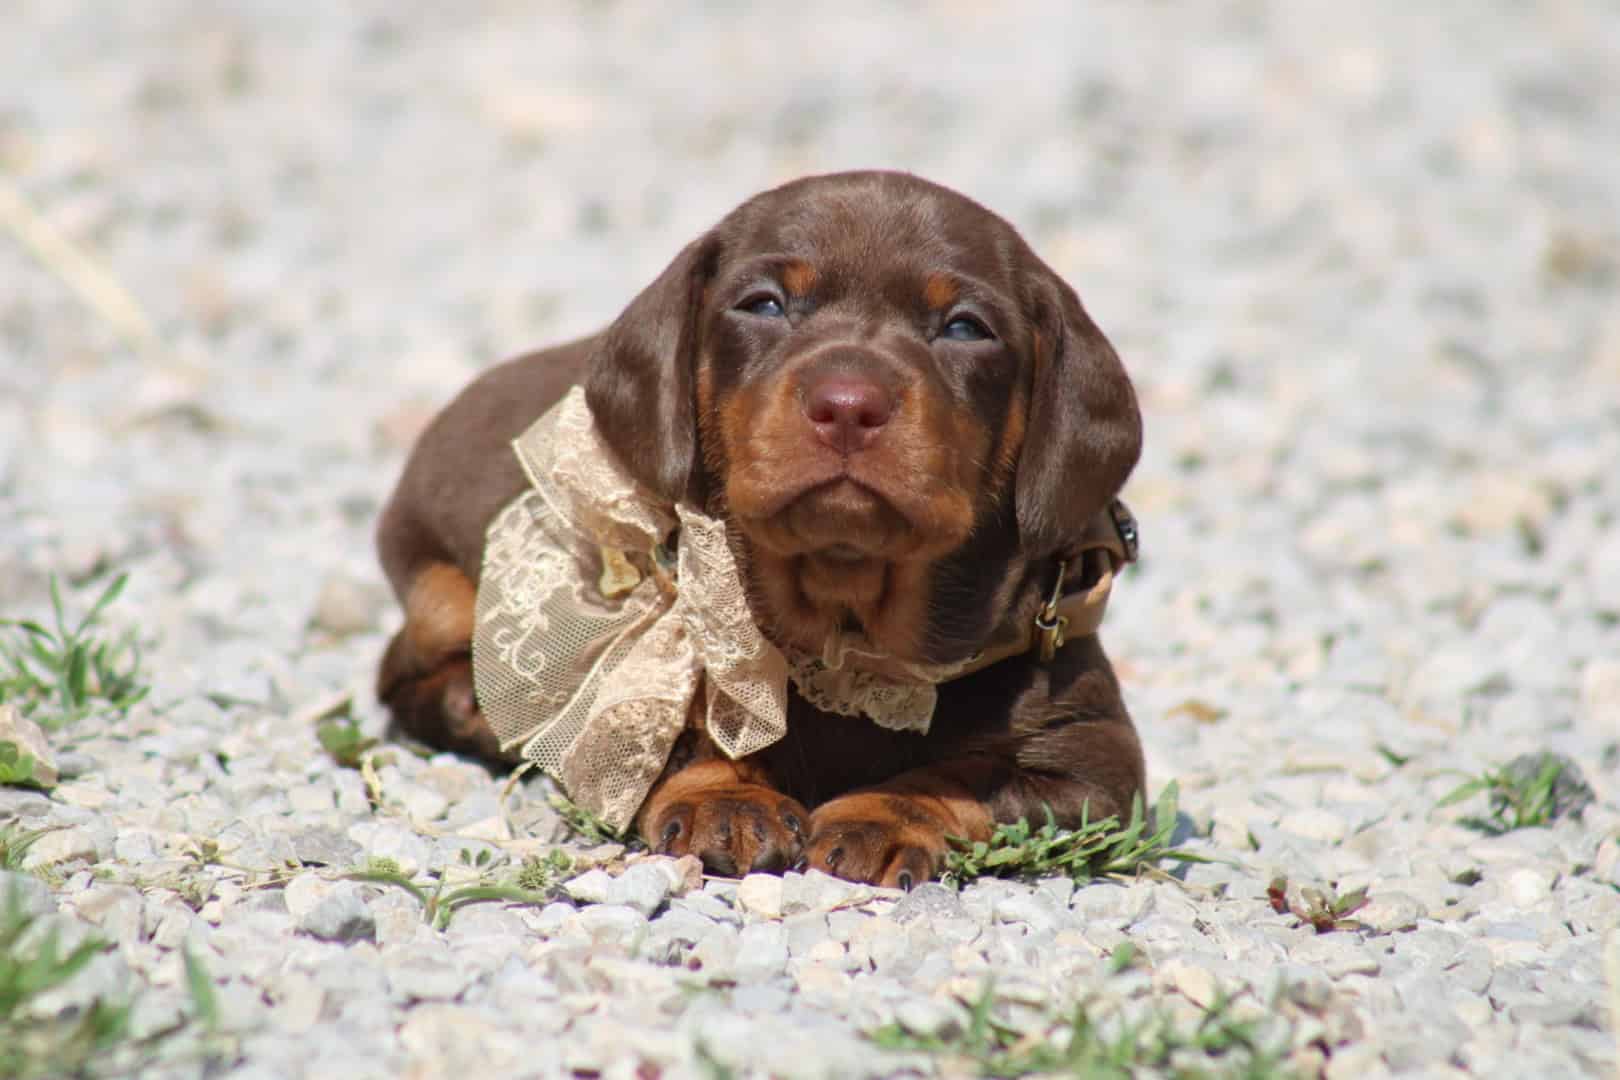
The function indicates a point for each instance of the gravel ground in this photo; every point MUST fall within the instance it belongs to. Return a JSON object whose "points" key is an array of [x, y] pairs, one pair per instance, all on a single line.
{"points": [[1362, 261]]}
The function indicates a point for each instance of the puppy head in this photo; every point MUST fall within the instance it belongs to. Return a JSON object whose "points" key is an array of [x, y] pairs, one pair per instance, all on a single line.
{"points": [[895, 402]]}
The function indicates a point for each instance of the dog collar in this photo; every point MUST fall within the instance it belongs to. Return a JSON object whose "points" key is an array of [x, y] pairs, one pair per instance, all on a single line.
{"points": [[1082, 581]]}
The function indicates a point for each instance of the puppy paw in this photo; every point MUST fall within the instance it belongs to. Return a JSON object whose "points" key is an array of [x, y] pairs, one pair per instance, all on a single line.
{"points": [[880, 839], [734, 828]]}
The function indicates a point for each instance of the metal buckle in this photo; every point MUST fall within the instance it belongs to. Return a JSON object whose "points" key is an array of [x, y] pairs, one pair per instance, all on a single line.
{"points": [[1125, 526], [1049, 625]]}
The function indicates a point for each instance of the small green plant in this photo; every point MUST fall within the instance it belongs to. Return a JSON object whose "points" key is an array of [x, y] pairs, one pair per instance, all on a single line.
{"points": [[17, 766], [1121, 958], [15, 842], [1077, 1046], [586, 825], [341, 737], [201, 988], [542, 873], [92, 1041], [1532, 790], [1095, 849], [440, 903], [1322, 911], [71, 669], [1388, 753], [381, 864]]}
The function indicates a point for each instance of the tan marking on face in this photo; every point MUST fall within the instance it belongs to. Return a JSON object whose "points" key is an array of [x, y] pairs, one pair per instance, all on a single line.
{"points": [[940, 292], [809, 598], [791, 618], [1012, 441], [798, 278], [899, 627]]}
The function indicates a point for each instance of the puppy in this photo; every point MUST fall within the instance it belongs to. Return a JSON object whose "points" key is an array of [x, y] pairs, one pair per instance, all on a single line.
{"points": [[911, 436]]}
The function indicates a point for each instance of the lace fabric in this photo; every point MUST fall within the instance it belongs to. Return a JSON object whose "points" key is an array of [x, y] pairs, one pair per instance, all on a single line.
{"points": [[591, 651]]}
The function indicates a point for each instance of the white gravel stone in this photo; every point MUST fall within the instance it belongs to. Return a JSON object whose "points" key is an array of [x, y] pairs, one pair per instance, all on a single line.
{"points": [[423, 972], [1387, 912], [340, 915], [62, 846], [1195, 981], [27, 738], [927, 1018], [709, 907], [1315, 824], [642, 887], [1528, 886], [422, 803], [760, 895], [346, 606], [816, 891], [117, 909], [29, 892], [613, 924], [388, 841], [762, 951], [591, 887]]}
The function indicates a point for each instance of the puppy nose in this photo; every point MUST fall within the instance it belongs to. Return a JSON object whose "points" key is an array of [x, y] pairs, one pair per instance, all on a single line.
{"points": [[847, 410]]}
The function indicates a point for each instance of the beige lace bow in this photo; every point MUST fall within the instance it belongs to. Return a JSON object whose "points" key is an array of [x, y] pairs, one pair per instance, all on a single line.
{"points": [[588, 656]]}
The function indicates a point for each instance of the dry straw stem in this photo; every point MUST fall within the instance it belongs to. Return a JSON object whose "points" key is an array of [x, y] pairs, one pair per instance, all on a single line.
{"points": [[95, 285]]}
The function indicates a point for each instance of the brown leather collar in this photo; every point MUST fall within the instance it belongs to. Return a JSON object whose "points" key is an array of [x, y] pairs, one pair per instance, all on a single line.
{"points": [[1082, 581]]}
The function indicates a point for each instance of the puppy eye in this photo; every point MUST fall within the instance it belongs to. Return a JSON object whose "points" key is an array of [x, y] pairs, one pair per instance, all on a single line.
{"points": [[765, 305], [966, 328]]}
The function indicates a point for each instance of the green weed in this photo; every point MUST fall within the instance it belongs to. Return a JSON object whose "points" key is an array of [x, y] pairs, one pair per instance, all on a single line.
{"points": [[341, 738], [92, 1041], [543, 873], [15, 842], [440, 902], [1322, 911], [1156, 1044], [1095, 849], [58, 676], [1532, 790], [586, 825], [17, 767]]}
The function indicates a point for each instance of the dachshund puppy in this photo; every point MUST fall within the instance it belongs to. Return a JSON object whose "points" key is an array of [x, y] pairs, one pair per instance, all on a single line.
{"points": [[911, 437]]}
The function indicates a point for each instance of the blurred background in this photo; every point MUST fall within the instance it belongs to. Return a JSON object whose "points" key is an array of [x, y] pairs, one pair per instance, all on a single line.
{"points": [[1360, 259]]}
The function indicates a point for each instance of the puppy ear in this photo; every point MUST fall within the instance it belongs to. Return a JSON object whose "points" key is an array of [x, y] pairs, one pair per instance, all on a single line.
{"points": [[1083, 434], [641, 384]]}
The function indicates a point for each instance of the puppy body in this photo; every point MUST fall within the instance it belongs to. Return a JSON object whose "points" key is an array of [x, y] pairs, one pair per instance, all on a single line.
{"points": [[909, 421]]}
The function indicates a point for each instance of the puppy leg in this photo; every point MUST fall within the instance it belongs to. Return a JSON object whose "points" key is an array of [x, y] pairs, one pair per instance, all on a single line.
{"points": [[426, 675], [726, 813], [895, 833]]}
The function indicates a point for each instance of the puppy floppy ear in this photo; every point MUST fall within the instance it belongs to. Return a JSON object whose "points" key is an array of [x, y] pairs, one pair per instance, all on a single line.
{"points": [[641, 385], [1084, 433]]}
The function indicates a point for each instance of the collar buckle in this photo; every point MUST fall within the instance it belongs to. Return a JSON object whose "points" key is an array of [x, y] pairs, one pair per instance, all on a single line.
{"points": [[1125, 526], [1049, 625]]}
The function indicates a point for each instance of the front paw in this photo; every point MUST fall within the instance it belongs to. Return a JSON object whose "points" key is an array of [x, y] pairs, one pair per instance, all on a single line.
{"points": [[880, 839], [734, 828]]}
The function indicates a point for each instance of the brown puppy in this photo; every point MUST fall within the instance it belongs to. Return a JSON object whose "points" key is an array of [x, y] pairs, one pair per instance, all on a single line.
{"points": [[909, 420]]}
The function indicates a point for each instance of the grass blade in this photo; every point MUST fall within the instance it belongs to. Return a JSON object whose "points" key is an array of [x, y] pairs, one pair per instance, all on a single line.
{"points": [[201, 987], [108, 595]]}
